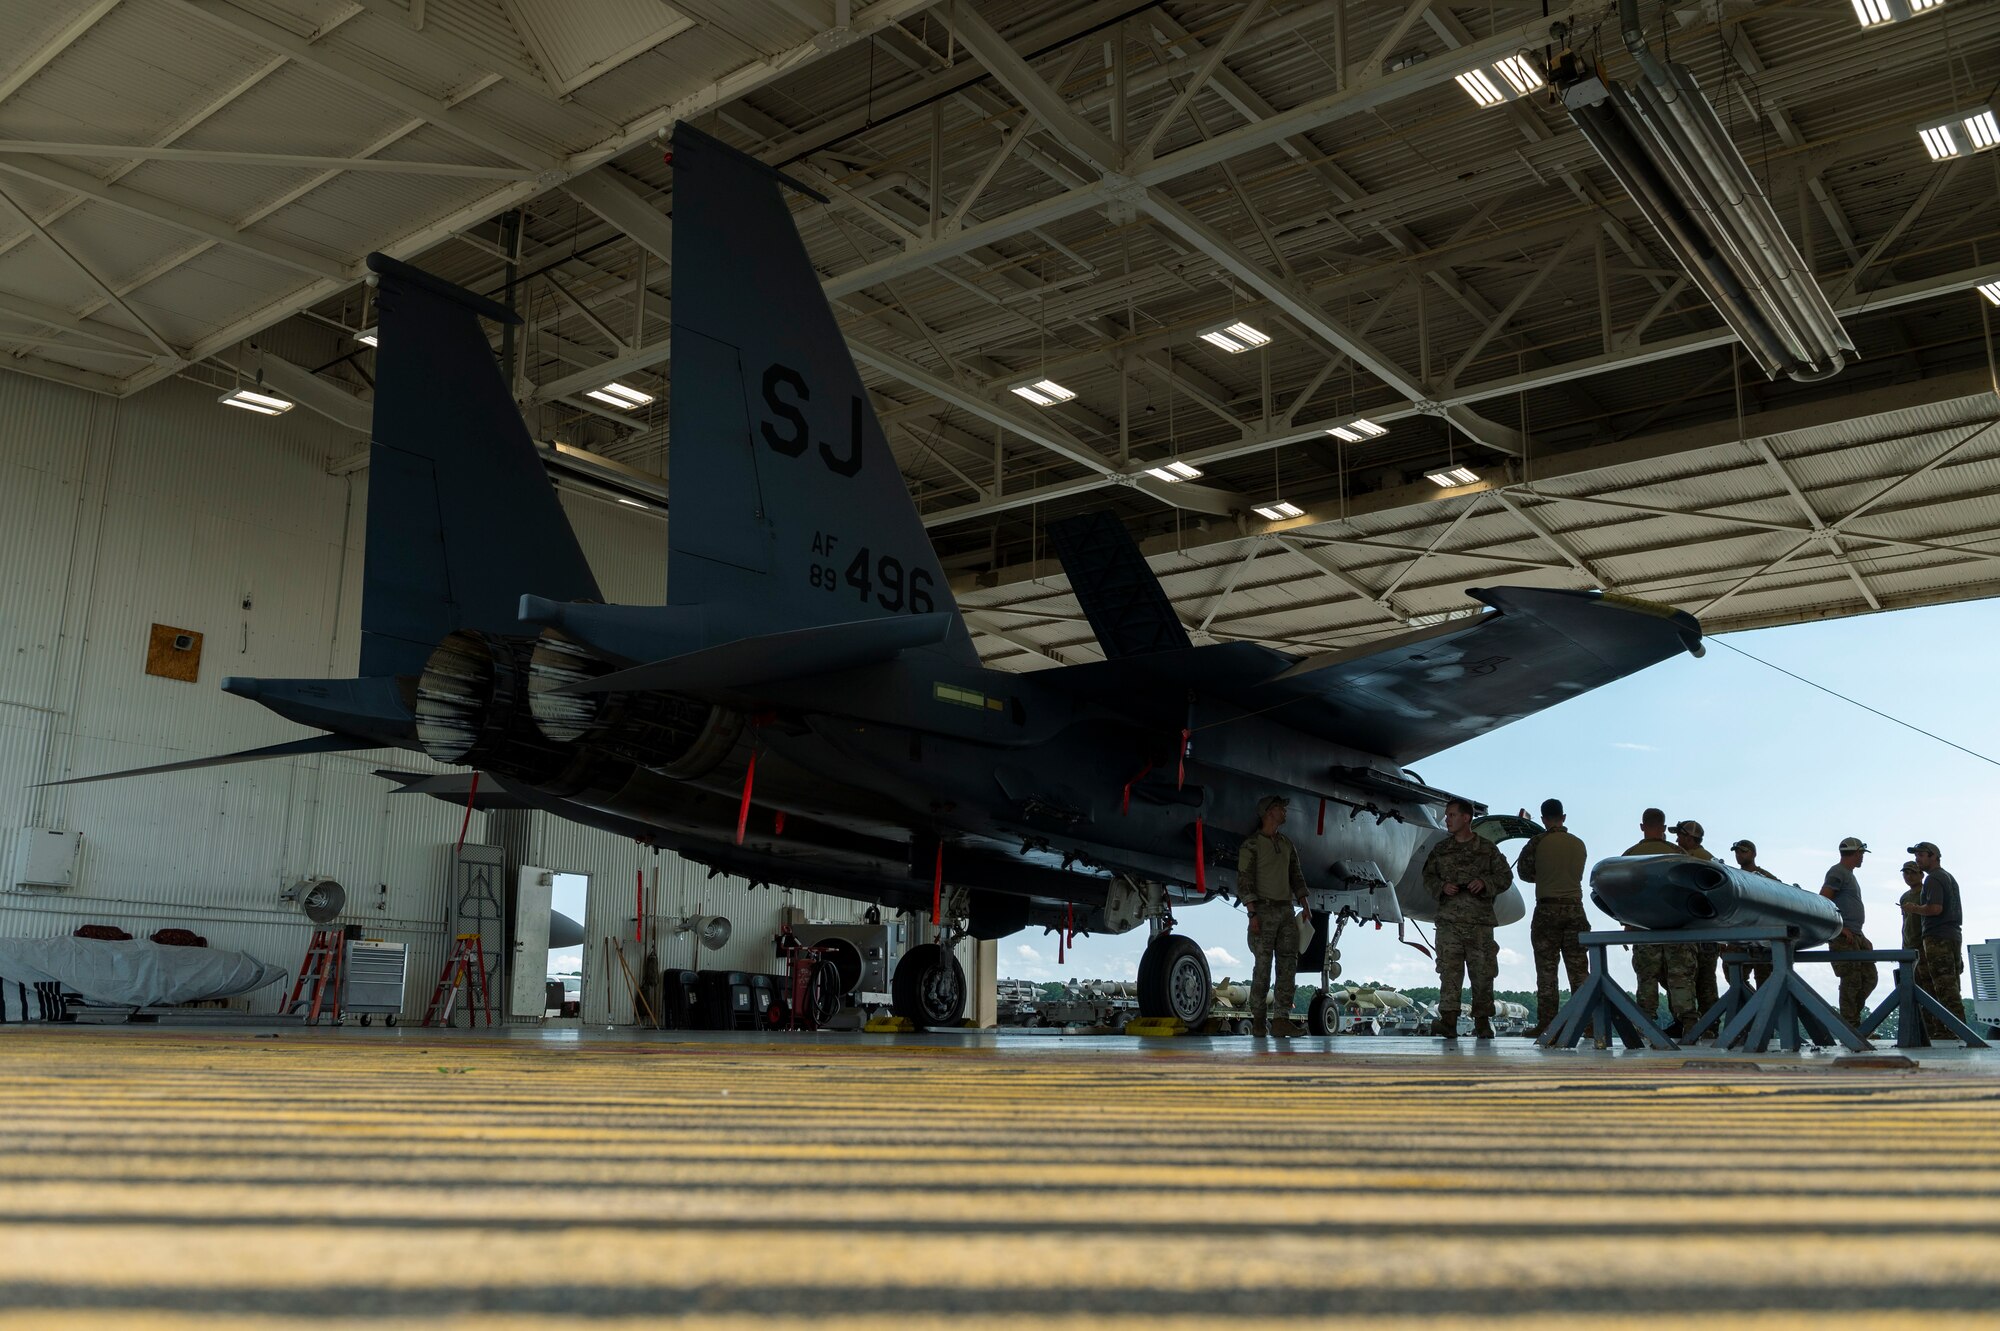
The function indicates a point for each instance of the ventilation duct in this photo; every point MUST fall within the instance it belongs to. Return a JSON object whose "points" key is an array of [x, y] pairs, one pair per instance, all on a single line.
{"points": [[1662, 140]]}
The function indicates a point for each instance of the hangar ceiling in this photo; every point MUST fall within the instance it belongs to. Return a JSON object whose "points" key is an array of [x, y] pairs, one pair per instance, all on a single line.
{"points": [[1026, 189]]}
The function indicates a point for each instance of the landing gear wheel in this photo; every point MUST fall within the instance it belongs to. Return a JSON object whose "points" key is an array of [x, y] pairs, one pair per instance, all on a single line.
{"points": [[1323, 1015], [928, 987], [1174, 981]]}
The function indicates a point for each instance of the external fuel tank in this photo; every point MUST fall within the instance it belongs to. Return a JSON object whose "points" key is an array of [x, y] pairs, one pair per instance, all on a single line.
{"points": [[1681, 892]]}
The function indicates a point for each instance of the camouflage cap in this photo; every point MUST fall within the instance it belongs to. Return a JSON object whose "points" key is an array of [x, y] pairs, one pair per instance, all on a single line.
{"points": [[1270, 802], [1852, 843], [1745, 844], [1911, 866], [1923, 846], [1687, 827]]}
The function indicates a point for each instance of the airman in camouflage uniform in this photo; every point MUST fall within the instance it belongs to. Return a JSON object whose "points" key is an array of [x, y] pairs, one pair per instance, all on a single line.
{"points": [[1464, 874], [1268, 882], [1941, 939], [1554, 863], [1707, 956], [1760, 955], [1653, 963]]}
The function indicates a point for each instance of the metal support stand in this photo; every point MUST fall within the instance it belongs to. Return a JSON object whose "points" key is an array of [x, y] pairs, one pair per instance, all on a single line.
{"points": [[1784, 1006], [1601, 1006], [1910, 1002]]}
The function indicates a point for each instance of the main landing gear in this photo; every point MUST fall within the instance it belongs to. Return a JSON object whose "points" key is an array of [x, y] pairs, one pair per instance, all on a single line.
{"points": [[1173, 977], [928, 988]]}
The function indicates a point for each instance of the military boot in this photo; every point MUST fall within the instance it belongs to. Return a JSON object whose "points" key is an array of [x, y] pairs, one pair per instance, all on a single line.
{"points": [[1446, 1026], [1284, 1028], [1259, 1026], [1482, 1028], [1535, 1031]]}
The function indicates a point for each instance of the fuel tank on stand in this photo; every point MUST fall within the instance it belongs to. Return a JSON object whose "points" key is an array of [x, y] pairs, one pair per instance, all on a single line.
{"points": [[1680, 892]]}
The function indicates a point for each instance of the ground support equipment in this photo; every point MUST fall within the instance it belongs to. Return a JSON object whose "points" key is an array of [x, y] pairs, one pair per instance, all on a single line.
{"points": [[1910, 1001], [465, 967], [1602, 1008], [317, 988], [1784, 1008]]}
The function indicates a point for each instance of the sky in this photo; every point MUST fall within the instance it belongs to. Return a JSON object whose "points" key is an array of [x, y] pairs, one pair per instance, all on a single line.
{"points": [[1726, 741]]}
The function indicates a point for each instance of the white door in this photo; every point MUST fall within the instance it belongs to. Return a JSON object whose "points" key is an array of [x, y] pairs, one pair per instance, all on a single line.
{"points": [[534, 890]]}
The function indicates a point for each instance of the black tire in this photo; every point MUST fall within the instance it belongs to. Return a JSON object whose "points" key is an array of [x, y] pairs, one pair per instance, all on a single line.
{"points": [[1174, 981], [364, 1019], [1323, 1015], [389, 1020], [928, 987]]}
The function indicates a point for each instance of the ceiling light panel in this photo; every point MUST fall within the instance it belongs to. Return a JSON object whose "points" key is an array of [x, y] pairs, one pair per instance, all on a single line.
{"points": [[1991, 290], [1520, 74], [1449, 477], [620, 396], [1043, 392], [1279, 511], [264, 404], [1480, 88], [1235, 337]]}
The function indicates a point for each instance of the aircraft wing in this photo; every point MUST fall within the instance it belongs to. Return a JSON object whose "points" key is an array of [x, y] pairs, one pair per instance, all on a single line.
{"points": [[1426, 691]]}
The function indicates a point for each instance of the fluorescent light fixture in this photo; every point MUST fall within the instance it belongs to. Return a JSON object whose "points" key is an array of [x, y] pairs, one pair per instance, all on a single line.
{"points": [[1450, 476], [1043, 392], [1357, 430], [368, 337], [1517, 76], [1991, 290], [1961, 133], [1479, 87], [264, 404], [1660, 136], [619, 396], [1174, 472], [1235, 337], [1279, 511], [1874, 13], [1520, 73]]}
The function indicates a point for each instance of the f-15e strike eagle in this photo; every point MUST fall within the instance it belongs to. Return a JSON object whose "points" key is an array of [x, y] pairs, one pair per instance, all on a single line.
{"points": [[810, 661]]}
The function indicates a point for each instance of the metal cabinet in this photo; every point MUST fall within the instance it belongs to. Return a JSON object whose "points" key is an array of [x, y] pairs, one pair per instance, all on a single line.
{"points": [[374, 977]]}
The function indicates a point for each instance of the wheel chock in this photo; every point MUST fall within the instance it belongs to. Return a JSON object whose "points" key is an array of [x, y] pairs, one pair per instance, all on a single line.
{"points": [[890, 1026], [1156, 1026]]}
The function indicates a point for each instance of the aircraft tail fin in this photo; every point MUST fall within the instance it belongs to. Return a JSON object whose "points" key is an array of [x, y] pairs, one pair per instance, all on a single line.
{"points": [[1123, 600], [788, 509], [462, 518]]}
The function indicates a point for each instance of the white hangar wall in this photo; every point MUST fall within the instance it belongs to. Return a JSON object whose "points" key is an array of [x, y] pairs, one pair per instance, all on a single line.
{"points": [[167, 508]]}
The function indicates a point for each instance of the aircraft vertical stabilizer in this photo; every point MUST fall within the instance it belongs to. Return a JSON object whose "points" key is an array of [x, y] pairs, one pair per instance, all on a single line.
{"points": [[788, 509], [462, 519]]}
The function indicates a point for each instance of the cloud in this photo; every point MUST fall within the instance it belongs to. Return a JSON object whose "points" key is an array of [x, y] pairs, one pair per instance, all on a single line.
{"points": [[1509, 957], [1636, 748], [1221, 954], [1028, 953]]}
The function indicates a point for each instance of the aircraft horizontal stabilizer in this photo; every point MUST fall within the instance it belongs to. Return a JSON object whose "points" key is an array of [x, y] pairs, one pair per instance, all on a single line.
{"points": [[291, 748], [749, 662], [456, 788], [1417, 694]]}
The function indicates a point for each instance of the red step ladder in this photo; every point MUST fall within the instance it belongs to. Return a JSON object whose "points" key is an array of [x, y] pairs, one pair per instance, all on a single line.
{"points": [[321, 971], [466, 966]]}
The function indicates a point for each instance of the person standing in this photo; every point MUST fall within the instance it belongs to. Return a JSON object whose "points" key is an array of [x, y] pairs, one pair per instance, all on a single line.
{"points": [[1857, 978], [1707, 956], [1464, 874], [1655, 963], [1941, 940], [1554, 863], [1269, 881], [1759, 964]]}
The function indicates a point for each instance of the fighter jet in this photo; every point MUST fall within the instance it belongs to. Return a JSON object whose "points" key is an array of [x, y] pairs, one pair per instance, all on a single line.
{"points": [[807, 709]]}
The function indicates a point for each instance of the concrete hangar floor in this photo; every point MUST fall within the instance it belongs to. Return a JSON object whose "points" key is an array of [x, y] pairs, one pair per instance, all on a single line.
{"points": [[288, 1176]]}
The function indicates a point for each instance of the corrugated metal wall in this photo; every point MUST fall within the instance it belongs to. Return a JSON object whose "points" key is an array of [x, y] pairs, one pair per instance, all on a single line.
{"points": [[168, 508]]}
